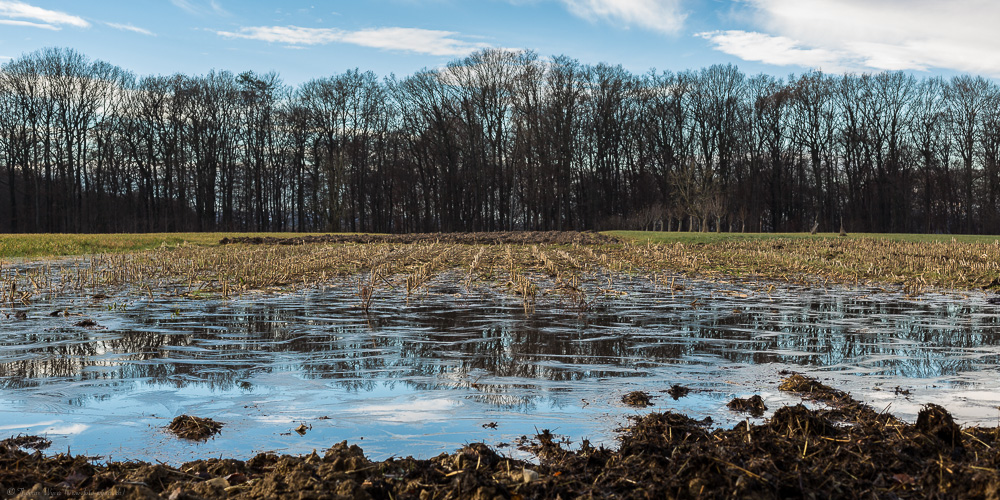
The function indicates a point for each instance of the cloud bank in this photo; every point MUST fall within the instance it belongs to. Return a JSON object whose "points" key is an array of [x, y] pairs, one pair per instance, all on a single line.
{"points": [[432, 42], [869, 35], [664, 16], [22, 14]]}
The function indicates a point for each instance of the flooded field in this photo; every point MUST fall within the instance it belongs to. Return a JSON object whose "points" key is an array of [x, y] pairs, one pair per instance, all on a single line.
{"points": [[454, 363]]}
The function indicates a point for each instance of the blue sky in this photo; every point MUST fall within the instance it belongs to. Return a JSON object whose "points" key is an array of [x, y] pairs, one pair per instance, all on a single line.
{"points": [[302, 40]]}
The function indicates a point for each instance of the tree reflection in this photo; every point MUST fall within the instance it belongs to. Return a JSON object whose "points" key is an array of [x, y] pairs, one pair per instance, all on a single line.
{"points": [[488, 347]]}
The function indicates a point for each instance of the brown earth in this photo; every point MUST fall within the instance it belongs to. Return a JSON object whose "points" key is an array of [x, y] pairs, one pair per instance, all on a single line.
{"points": [[506, 237], [194, 428], [678, 391], [753, 405], [843, 450], [638, 399]]}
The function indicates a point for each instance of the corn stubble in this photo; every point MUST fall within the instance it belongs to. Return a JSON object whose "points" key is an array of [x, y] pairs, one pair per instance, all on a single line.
{"points": [[572, 271]]}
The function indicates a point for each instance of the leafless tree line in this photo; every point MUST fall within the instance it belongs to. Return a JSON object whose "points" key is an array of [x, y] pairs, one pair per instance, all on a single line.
{"points": [[500, 140]]}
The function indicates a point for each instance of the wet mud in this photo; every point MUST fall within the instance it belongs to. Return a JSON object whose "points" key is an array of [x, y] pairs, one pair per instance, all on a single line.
{"points": [[678, 391], [194, 428], [754, 405], [638, 399], [482, 238], [842, 448]]}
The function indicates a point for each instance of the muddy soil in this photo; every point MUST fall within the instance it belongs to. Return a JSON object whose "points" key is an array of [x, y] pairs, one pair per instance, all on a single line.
{"points": [[508, 237], [638, 399], [842, 449], [194, 428], [754, 406]]}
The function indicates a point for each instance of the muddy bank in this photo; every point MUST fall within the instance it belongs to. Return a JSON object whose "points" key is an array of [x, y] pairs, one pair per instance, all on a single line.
{"points": [[843, 449], [483, 238]]}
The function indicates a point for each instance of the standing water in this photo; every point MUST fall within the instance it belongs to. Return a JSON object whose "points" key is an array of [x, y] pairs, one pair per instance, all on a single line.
{"points": [[453, 365]]}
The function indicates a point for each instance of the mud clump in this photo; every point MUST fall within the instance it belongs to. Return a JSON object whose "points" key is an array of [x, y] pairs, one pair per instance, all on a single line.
{"points": [[662, 432], [678, 391], [638, 399], [754, 405], [88, 324], [841, 450], [506, 237], [194, 428], [799, 383], [800, 421], [934, 420], [26, 442], [842, 406]]}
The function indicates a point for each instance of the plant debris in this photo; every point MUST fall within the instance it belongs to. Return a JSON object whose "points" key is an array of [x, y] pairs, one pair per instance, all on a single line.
{"points": [[844, 450], [678, 391], [754, 405], [637, 398], [194, 428], [26, 442], [89, 323], [494, 238]]}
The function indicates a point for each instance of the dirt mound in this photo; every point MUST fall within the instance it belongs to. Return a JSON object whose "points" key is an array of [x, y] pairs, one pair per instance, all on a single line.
{"points": [[26, 442], [194, 428], [506, 237], [754, 405], [638, 399], [799, 383], [800, 421], [842, 406], [678, 391], [842, 451], [934, 420]]}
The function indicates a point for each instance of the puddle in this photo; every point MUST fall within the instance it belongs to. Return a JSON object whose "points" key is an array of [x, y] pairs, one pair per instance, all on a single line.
{"points": [[456, 365]]}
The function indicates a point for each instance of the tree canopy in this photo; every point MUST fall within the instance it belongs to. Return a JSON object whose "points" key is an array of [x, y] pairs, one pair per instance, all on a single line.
{"points": [[499, 140]]}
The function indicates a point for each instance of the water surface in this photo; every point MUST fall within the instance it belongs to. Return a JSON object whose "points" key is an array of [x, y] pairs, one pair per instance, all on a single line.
{"points": [[426, 375]]}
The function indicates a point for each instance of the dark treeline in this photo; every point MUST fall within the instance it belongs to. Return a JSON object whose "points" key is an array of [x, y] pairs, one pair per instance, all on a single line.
{"points": [[500, 140]]}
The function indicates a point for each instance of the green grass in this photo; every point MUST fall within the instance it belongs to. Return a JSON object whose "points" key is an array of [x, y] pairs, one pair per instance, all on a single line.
{"points": [[62, 245]]}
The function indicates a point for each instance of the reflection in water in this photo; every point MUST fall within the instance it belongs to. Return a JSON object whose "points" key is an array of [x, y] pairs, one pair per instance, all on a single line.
{"points": [[440, 340], [485, 346]]}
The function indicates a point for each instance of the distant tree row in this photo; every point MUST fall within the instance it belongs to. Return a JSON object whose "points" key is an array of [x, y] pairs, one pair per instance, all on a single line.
{"points": [[500, 140]]}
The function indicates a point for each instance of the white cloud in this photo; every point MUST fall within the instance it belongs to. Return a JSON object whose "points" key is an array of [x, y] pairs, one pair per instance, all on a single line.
{"points": [[876, 34], [184, 5], [27, 426], [420, 410], [286, 34], [196, 8], [29, 24], [658, 15], [67, 429], [39, 17], [129, 27], [777, 50], [433, 42]]}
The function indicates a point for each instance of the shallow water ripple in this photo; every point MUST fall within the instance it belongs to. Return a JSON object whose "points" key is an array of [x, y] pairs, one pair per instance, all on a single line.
{"points": [[424, 375]]}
